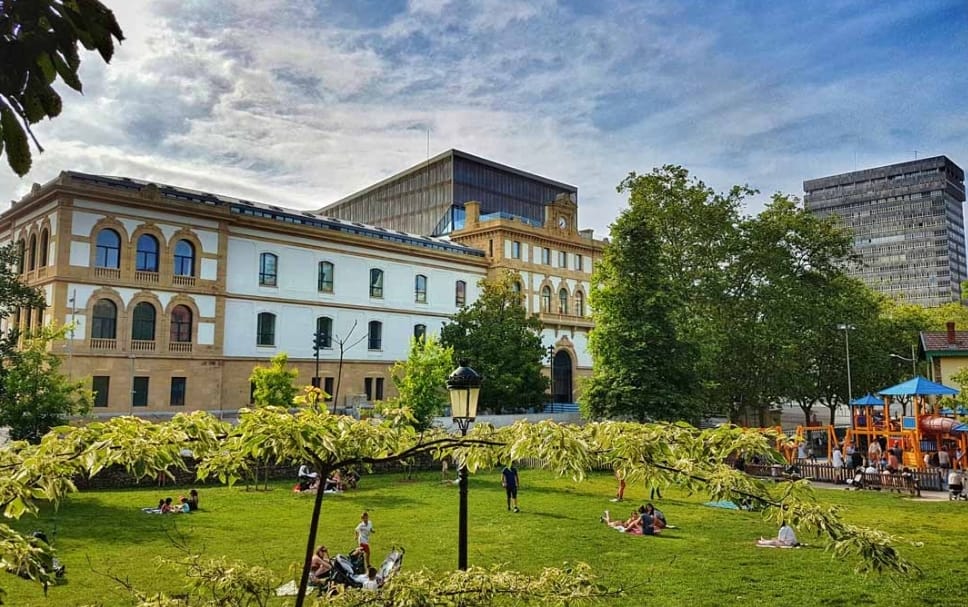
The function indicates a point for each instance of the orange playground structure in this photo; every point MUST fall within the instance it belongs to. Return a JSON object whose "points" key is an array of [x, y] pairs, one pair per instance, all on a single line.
{"points": [[925, 431]]}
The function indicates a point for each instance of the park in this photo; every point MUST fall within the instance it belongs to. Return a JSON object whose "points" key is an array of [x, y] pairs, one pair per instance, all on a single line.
{"points": [[710, 558]]}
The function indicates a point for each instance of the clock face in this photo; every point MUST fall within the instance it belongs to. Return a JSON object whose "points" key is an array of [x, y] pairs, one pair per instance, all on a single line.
{"points": [[562, 223]]}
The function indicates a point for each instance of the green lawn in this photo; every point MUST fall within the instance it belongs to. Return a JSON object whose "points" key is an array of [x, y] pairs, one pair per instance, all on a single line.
{"points": [[709, 560]]}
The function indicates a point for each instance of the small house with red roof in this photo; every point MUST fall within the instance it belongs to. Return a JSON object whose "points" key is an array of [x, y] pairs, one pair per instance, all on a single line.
{"points": [[946, 352]]}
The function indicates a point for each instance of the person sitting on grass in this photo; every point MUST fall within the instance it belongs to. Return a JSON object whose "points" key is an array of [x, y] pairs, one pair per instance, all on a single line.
{"points": [[648, 522], [785, 538], [156, 509], [184, 508], [193, 500], [320, 566], [659, 519], [167, 507], [630, 525]]}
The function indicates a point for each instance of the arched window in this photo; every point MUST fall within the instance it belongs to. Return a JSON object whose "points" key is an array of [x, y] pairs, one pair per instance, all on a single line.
{"points": [[376, 283], [181, 324], [420, 289], [21, 253], [579, 304], [108, 249], [44, 246], [268, 267], [32, 256], [265, 331], [147, 257], [104, 322], [516, 286], [563, 301], [143, 322], [546, 299], [326, 272], [460, 293], [420, 331], [375, 341], [184, 258], [324, 326]]}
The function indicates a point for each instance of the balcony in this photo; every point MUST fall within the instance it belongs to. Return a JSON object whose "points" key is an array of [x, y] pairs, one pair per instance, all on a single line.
{"points": [[142, 345], [565, 320], [107, 273], [183, 281], [100, 343], [184, 347], [142, 276]]}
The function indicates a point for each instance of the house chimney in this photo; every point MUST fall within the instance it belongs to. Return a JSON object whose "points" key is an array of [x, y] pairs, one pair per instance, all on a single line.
{"points": [[951, 331]]}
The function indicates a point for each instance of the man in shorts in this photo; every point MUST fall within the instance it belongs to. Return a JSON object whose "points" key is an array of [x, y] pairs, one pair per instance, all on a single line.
{"points": [[363, 531], [509, 480]]}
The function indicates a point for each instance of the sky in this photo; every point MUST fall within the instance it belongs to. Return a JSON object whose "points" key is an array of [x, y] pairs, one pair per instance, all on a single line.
{"points": [[299, 103]]}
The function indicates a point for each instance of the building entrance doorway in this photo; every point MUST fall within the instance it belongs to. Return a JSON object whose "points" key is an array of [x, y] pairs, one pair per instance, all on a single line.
{"points": [[561, 378]]}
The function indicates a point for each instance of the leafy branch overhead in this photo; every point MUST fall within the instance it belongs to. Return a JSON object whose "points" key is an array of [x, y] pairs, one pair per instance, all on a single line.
{"points": [[696, 460], [38, 44]]}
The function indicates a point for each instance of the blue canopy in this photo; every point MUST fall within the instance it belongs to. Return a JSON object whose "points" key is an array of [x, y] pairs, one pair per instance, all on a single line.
{"points": [[866, 401], [918, 386]]}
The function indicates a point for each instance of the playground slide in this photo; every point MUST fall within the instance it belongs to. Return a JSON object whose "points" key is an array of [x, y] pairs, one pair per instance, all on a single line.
{"points": [[938, 424]]}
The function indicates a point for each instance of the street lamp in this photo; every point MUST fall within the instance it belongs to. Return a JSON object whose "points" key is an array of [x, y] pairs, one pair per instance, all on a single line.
{"points": [[551, 374], [847, 329], [464, 385], [913, 360]]}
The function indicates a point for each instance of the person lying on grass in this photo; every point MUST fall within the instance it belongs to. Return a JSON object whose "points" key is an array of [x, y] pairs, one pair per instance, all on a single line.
{"points": [[786, 538], [630, 525]]}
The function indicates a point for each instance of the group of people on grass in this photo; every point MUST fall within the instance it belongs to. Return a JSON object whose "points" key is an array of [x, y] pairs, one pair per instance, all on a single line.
{"points": [[167, 505], [647, 520], [337, 481], [322, 564]]}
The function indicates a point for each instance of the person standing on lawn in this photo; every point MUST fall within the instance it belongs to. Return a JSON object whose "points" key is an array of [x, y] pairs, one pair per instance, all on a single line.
{"points": [[509, 480], [363, 531]]}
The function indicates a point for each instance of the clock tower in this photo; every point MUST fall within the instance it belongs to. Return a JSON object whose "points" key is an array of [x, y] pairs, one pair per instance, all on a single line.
{"points": [[562, 215]]}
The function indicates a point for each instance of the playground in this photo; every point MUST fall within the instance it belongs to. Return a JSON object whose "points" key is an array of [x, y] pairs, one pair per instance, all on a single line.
{"points": [[708, 559]]}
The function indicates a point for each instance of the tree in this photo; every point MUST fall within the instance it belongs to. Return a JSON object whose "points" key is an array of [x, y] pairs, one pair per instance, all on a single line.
{"points": [[697, 460], [34, 396], [38, 43], [643, 367], [274, 385], [503, 344], [420, 380]]}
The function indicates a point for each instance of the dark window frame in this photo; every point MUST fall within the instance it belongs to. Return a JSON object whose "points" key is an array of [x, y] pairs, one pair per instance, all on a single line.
{"points": [[460, 293], [140, 385], [180, 327], [420, 289], [178, 391], [265, 332], [143, 327], [101, 394], [104, 326], [374, 335], [146, 258], [325, 284], [184, 264], [107, 254], [268, 270], [376, 283]]}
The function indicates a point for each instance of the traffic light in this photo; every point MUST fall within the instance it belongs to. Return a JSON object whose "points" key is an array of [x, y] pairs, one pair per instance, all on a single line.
{"points": [[319, 340]]}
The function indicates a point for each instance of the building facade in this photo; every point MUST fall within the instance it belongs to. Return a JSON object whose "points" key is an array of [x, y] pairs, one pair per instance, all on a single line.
{"points": [[907, 224], [430, 198], [174, 295]]}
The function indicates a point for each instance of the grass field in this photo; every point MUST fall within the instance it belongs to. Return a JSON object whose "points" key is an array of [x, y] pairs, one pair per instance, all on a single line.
{"points": [[709, 560]]}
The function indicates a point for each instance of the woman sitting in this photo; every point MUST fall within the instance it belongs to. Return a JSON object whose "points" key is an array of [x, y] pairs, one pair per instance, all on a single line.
{"points": [[658, 519], [334, 482], [320, 566], [630, 525], [786, 538], [193, 500]]}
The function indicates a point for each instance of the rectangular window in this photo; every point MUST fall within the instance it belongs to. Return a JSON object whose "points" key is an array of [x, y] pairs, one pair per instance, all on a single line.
{"points": [[376, 283], [368, 387], [375, 335], [179, 386], [516, 249], [546, 256], [562, 259], [490, 248], [328, 388], [460, 293], [325, 277], [379, 389], [139, 392], [579, 262], [268, 267], [101, 385], [420, 289]]}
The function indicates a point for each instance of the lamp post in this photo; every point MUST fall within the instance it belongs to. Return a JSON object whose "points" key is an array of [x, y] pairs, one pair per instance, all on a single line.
{"points": [[847, 329], [464, 385], [913, 360], [551, 374]]}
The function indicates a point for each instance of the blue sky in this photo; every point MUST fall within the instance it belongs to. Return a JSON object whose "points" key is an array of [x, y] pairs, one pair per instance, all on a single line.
{"points": [[300, 103]]}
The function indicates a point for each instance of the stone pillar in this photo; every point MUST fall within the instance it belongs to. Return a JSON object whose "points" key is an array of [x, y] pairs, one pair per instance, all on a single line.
{"points": [[472, 215]]}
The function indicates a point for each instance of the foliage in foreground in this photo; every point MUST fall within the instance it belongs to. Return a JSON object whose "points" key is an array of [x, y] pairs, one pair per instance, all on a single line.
{"points": [[696, 460], [39, 40]]}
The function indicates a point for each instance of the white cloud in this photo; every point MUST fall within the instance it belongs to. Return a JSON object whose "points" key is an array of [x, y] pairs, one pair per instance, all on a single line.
{"points": [[277, 101]]}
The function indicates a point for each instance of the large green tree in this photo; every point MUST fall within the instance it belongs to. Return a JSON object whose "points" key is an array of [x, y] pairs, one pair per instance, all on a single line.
{"points": [[421, 379], [503, 343], [274, 385], [35, 396], [38, 43]]}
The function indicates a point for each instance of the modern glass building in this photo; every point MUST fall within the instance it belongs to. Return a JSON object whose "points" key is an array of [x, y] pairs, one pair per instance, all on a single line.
{"points": [[907, 223], [429, 197]]}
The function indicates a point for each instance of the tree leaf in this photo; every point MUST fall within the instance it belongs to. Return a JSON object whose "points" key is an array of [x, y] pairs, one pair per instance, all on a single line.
{"points": [[15, 139]]}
